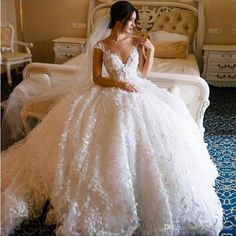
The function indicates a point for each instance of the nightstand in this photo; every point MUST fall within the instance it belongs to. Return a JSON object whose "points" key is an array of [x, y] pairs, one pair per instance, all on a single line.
{"points": [[219, 68], [66, 48]]}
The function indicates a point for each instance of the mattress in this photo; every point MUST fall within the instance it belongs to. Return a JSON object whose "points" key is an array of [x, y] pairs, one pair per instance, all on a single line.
{"points": [[187, 66]]}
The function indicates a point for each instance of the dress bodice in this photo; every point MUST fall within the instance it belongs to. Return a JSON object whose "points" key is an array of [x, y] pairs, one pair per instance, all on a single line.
{"points": [[114, 65]]}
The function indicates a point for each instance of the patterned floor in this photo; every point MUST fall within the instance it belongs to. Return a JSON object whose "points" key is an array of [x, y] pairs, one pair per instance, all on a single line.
{"points": [[220, 124], [220, 134]]}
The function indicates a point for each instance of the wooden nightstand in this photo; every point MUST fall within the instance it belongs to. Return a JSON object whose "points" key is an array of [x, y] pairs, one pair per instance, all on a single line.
{"points": [[66, 48], [219, 66]]}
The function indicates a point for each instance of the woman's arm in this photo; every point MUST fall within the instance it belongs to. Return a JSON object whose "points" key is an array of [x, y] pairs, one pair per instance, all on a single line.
{"points": [[97, 70], [100, 80], [146, 55]]}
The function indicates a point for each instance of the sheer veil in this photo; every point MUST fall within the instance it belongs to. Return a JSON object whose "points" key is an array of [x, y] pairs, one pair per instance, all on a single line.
{"points": [[29, 92]]}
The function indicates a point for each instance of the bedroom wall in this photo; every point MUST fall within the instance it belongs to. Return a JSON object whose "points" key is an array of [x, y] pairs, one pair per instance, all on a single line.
{"points": [[220, 14], [8, 12], [45, 20]]}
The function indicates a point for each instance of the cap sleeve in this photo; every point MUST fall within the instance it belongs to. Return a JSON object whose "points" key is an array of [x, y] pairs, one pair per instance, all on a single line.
{"points": [[100, 46]]}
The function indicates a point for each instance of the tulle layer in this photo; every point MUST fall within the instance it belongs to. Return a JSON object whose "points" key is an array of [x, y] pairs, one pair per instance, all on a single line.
{"points": [[113, 162]]}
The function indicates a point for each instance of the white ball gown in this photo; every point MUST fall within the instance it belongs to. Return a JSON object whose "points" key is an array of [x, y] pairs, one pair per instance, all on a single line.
{"points": [[114, 163]]}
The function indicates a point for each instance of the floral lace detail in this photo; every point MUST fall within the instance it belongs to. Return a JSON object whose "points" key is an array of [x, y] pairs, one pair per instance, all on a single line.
{"points": [[112, 162], [114, 65]]}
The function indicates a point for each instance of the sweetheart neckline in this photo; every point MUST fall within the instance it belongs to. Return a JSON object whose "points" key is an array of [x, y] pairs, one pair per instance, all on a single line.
{"points": [[128, 58]]}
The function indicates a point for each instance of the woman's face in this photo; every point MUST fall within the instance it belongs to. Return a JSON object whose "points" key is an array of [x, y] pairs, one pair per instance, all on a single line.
{"points": [[130, 25]]}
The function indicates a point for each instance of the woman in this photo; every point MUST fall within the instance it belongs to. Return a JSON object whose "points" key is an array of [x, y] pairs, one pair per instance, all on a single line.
{"points": [[119, 158]]}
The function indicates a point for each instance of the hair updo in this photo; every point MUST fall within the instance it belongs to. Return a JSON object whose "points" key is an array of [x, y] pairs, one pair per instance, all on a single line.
{"points": [[122, 11]]}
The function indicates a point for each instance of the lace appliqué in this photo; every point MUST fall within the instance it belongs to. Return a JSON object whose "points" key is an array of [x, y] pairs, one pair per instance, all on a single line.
{"points": [[114, 65], [112, 161]]}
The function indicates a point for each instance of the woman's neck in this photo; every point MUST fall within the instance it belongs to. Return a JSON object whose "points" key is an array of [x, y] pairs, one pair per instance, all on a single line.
{"points": [[117, 35]]}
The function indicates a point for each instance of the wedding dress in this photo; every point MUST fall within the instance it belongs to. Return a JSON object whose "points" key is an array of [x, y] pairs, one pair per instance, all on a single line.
{"points": [[113, 162]]}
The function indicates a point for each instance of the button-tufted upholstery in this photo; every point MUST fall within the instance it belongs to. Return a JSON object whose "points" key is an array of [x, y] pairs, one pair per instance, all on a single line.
{"points": [[181, 22]]}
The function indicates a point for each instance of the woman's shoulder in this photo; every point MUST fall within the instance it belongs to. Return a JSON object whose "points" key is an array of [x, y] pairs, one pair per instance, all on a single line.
{"points": [[102, 44]]}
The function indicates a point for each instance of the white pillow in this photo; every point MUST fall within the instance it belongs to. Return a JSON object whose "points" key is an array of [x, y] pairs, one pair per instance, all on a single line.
{"points": [[164, 36]]}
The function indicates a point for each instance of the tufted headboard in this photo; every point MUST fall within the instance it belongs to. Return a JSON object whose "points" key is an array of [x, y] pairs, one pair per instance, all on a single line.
{"points": [[184, 17], [178, 21]]}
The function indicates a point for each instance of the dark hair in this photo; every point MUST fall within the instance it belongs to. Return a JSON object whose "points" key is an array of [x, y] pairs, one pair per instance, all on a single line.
{"points": [[122, 11]]}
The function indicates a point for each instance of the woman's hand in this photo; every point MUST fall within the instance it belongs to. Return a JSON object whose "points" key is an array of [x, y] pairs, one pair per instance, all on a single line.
{"points": [[146, 52], [144, 43], [126, 86]]}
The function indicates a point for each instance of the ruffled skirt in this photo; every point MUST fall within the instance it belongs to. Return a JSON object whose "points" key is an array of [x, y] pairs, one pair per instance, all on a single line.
{"points": [[114, 163]]}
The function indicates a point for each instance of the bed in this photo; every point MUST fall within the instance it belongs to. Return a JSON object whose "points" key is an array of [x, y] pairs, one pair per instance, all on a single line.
{"points": [[179, 76]]}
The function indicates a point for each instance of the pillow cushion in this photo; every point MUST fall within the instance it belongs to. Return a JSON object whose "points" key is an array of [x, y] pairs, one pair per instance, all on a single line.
{"points": [[163, 36], [172, 50], [169, 45]]}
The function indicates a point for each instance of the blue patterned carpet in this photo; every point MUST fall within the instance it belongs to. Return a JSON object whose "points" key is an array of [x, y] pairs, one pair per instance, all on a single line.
{"points": [[220, 134]]}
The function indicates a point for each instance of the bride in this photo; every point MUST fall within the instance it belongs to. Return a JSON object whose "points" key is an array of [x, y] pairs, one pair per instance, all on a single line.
{"points": [[119, 157]]}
